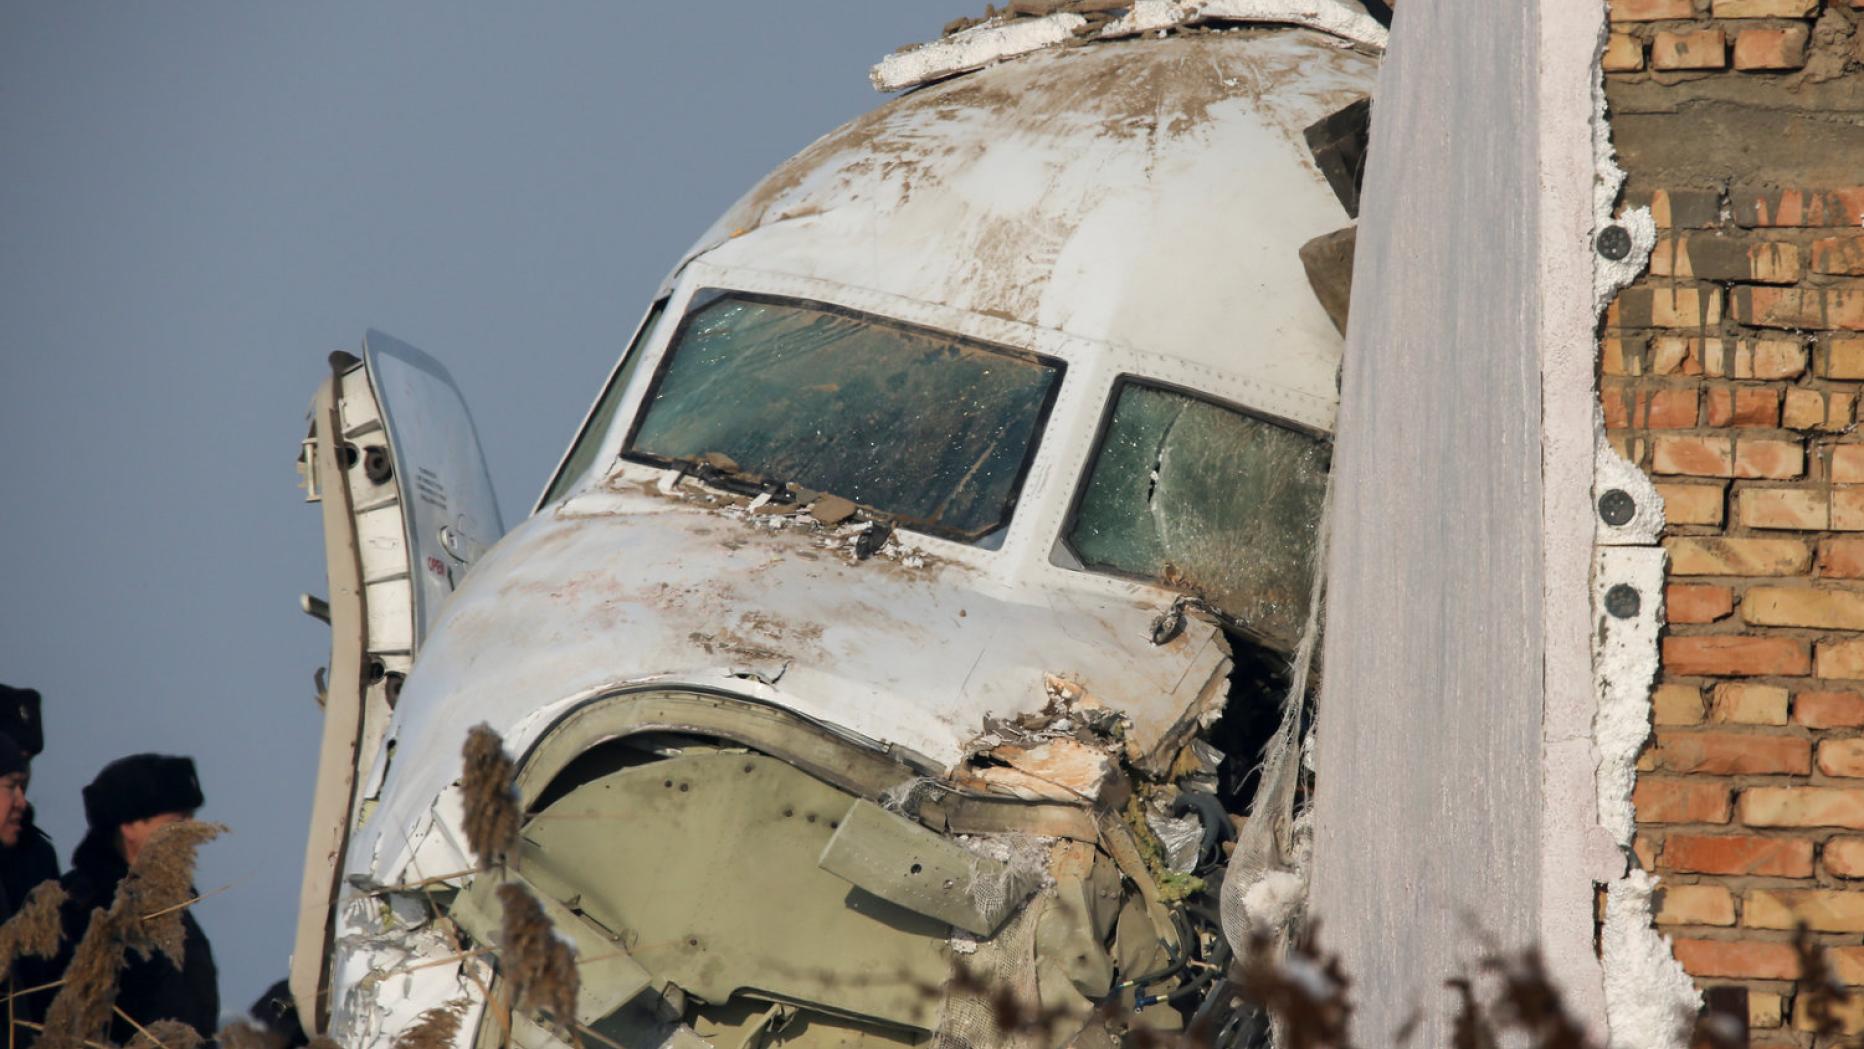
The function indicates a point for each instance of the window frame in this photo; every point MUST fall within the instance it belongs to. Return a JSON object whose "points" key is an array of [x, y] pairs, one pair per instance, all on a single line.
{"points": [[1092, 461], [643, 331], [705, 296]]}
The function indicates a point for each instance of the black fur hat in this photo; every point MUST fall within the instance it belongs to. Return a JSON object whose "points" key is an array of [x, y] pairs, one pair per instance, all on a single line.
{"points": [[140, 786], [19, 718]]}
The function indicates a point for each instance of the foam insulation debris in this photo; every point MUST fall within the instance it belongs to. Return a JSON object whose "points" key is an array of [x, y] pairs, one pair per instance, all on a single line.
{"points": [[1650, 1002], [1032, 25]]}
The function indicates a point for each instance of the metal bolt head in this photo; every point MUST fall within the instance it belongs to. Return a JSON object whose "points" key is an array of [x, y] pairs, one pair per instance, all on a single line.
{"points": [[1622, 601], [1614, 242], [1616, 507]]}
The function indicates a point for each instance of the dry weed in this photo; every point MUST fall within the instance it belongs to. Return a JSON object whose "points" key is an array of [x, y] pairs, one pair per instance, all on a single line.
{"points": [[166, 1034], [35, 930], [145, 915], [539, 968], [154, 895], [489, 796], [436, 1028]]}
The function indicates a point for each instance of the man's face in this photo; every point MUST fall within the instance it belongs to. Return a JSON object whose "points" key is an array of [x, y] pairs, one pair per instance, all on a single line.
{"points": [[137, 834], [12, 807]]}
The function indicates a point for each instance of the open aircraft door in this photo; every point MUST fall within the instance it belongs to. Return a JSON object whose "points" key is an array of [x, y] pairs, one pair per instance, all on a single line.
{"points": [[407, 509]]}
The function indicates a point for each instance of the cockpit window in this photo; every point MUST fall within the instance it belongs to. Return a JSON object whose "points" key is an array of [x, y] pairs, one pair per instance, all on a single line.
{"points": [[928, 428], [589, 441], [1205, 499]]}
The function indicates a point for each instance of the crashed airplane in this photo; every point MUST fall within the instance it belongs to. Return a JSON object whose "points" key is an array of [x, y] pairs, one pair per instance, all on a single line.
{"points": [[919, 596]]}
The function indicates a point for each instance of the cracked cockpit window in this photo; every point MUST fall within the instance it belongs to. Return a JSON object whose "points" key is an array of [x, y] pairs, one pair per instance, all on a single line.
{"points": [[924, 427], [1206, 499]]}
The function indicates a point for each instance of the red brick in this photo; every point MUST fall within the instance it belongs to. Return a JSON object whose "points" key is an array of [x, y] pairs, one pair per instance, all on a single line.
{"points": [[1839, 254], [1714, 256], [1671, 408], [1841, 659], [1691, 504], [1680, 801], [1828, 709], [1822, 910], [1732, 753], [1841, 558], [1683, 208], [1803, 606], [1697, 602], [1847, 964], [1733, 655], [1839, 206], [1839, 306], [1793, 509], [1842, 758], [1651, 10], [1747, 703], [1695, 905], [1624, 53], [1844, 357], [1848, 509], [1689, 49], [1738, 959], [1771, 48], [1741, 406], [1765, 8], [1696, 456], [1808, 409], [1770, 357], [1670, 306], [1801, 807], [1737, 854], [1673, 704], [1713, 556], [1843, 857], [1769, 458], [1619, 356]]}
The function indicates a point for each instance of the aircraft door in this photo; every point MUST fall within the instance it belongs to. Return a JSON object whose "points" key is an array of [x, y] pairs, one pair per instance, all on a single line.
{"points": [[408, 509]]}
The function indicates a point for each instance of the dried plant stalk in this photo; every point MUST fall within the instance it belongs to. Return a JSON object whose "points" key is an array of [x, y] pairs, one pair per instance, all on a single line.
{"points": [[539, 968], [435, 1029], [87, 1000], [35, 930], [157, 885], [166, 1034], [489, 796]]}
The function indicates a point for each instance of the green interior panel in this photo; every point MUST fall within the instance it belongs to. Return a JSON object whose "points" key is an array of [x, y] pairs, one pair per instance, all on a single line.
{"points": [[704, 864]]}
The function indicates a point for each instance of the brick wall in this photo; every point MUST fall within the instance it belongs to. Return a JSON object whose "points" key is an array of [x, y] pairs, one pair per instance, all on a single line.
{"points": [[1732, 374]]}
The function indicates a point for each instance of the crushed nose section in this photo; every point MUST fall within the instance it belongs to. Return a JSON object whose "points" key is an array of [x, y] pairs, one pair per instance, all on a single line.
{"points": [[732, 875]]}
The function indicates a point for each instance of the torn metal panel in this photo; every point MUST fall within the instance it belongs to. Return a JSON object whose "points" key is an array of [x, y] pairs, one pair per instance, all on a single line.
{"points": [[1007, 36], [973, 48]]}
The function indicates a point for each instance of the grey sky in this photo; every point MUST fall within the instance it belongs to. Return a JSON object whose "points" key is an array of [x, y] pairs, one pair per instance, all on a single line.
{"points": [[199, 202]]}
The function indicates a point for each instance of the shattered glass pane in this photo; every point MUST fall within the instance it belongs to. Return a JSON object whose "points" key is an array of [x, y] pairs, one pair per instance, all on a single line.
{"points": [[930, 428], [1208, 500]]}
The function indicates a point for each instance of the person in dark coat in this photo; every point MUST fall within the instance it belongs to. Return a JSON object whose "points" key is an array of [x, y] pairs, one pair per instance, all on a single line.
{"points": [[125, 805], [27, 857]]}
